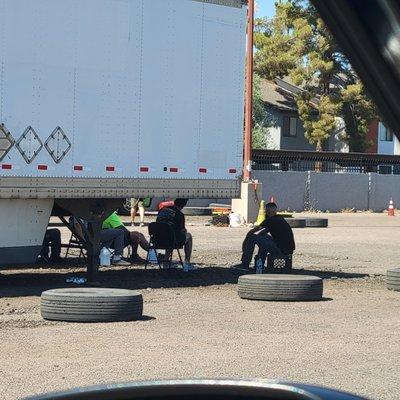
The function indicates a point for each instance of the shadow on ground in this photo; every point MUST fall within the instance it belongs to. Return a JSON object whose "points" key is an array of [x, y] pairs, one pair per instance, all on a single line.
{"points": [[32, 283]]}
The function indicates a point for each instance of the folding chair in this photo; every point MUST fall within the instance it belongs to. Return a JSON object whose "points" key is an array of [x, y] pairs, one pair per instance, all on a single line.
{"points": [[75, 243], [162, 237]]}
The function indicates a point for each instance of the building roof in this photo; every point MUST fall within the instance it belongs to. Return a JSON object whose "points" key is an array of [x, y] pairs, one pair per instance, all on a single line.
{"points": [[280, 93], [277, 96]]}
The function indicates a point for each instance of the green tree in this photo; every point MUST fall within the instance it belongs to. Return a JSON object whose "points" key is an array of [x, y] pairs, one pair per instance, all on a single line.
{"points": [[358, 112], [297, 43], [260, 117]]}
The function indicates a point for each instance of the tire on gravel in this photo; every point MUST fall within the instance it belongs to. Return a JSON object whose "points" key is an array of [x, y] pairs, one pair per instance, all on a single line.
{"points": [[393, 279], [296, 222], [217, 205], [278, 287], [194, 211], [91, 305], [316, 222]]}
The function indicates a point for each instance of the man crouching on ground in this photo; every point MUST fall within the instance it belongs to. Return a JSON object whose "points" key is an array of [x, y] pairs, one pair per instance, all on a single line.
{"points": [[274, 236]]}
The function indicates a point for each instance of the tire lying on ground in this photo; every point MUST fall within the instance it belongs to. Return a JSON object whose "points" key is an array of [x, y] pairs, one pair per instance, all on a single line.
{"points": [[316, 222], [217, 205], [91, 305], [197, 211], [296, 222], [393, 279], [278, 287]]}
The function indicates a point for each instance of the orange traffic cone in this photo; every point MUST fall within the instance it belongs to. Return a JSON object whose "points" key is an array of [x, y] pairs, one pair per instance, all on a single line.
{"points": [[391, 208]]}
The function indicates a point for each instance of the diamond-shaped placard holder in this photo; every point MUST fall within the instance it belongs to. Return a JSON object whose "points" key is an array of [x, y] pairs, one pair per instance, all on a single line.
{"points": [[58, 145], [29, 144], [6, 141]]}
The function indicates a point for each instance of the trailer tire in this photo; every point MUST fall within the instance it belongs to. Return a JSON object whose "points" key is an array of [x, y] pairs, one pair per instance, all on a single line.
{"points": [[91, 305], [393, 279], [296, 222], [316, 222], [278, 287]]}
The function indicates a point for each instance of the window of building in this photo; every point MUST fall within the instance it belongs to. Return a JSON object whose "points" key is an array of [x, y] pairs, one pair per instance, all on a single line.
{"points": [[386, 134], [289, 126]]}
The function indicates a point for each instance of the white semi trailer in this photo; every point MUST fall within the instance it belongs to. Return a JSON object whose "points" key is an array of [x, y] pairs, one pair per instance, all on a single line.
{"points": [[106, 99]]}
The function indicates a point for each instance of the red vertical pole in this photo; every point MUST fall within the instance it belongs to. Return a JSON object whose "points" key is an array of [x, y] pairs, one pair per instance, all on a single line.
{"points": [[248, 123]]}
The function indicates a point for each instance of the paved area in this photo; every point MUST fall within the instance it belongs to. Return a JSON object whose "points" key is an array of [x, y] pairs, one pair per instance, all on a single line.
{"points": [[196, 326]]}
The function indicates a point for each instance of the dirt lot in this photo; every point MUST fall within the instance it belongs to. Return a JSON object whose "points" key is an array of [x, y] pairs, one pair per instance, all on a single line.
{"points": [[196, 326]]}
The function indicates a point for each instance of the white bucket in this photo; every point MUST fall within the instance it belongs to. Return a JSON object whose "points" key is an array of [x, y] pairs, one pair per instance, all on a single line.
{"points": [[235, 220]]}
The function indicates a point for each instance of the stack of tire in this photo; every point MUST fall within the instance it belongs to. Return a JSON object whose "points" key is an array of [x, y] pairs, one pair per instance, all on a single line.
{"points": [[393, 279], [277, 287], [91, 305]]}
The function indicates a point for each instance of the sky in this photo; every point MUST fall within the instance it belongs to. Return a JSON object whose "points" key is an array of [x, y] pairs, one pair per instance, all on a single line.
{"points": [[265, 8]]}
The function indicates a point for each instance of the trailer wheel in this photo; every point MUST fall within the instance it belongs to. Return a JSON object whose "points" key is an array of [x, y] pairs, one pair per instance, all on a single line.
{"points": [[316, 222], [296, 222], [278, 287], [91, 305], [393, 279]]}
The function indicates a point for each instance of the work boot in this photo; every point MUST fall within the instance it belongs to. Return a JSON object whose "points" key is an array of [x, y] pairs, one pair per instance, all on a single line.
{"points": [[241, 267], [136, 259]]}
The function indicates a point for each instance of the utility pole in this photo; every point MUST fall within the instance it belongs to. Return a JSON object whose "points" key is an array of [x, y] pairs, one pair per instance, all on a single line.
{"points": [[250, 192], [248, 124]]}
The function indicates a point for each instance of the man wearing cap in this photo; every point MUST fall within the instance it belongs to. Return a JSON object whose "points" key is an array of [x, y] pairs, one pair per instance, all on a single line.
{"points": [[274, 236]]}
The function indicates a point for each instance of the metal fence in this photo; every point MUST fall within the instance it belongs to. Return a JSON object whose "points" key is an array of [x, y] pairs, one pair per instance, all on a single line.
{"points": [[294, 160]]}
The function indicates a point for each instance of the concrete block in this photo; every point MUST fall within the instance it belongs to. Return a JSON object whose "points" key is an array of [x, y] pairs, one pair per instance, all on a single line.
{"points": [[248, 204]]}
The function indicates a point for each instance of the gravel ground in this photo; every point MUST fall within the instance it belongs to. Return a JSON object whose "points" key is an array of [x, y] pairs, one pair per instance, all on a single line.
{"points": [[195, 325]]}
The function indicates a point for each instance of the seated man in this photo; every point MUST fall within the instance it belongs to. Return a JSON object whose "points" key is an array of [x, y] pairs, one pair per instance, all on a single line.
{"points": [[52, 239], [274, 236], [173, 216], [113, 238], [134, 239]]}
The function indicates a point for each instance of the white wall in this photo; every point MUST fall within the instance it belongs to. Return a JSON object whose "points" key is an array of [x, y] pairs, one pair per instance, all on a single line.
{"points": [[385, 147], [329, 191]]}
